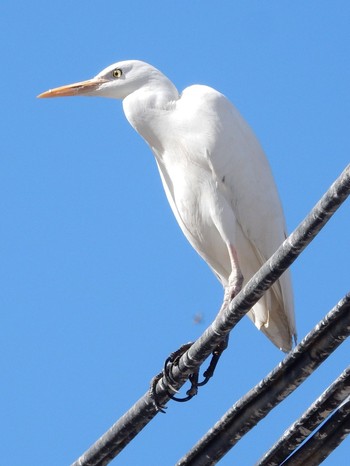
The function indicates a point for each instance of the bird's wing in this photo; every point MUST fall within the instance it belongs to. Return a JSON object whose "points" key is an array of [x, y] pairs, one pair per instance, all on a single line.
{"points": [[244, 176], [240, 167]]}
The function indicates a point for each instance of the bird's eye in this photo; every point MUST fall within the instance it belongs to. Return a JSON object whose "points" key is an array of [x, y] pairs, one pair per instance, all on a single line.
{"points": [[117, 73]]}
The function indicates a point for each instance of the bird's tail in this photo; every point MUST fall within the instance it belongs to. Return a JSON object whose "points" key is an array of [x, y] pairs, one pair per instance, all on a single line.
{"points": [[273, 314]]}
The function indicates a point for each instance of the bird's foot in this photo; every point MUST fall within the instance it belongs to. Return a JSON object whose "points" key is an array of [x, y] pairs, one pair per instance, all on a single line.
{"points": [[171, 362]]}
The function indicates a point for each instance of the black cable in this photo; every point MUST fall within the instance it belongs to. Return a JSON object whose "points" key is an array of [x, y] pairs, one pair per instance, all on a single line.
{"points": [[274, 388], [327, 438], [330, 400]]}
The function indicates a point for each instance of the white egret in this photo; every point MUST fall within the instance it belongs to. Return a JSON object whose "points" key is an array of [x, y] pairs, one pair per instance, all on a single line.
{"points": [[216, 178]]}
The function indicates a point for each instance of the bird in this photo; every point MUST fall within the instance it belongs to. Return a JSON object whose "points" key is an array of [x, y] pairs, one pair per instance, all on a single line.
{"points": [[216, 177]]}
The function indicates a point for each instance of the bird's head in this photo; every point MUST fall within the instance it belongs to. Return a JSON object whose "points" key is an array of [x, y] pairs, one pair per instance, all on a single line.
{"points": [[116, 81]]}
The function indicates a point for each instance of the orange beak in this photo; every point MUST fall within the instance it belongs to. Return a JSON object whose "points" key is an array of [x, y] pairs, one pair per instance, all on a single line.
{"points": [[73, 89]]}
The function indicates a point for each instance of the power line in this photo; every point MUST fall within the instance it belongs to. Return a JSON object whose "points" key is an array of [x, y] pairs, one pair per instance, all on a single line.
{"points": [[323, 407], [144, 410], [328, 334], [321, 444]]}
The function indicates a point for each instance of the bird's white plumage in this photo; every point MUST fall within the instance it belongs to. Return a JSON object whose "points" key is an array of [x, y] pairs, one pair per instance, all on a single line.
{"points": [[216, 178]]}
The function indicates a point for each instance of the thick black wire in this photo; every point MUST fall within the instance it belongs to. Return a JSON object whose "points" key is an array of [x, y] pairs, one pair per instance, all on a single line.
{"points": [[143, 411], [326, 439], [274, 388], [330, 400]]}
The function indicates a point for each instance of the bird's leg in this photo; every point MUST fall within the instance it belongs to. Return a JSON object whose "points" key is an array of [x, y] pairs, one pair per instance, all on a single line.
{"points": [[235, 280], [216, 354], [231, 290]]}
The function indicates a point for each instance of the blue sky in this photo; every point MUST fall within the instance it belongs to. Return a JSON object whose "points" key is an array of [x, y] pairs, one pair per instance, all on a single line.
{"points": [[98, 283]]}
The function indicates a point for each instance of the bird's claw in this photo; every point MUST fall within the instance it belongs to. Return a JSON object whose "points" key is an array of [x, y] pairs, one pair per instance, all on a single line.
{"points": [[191, 392], [153, 394], [173, 360], [170, 362]]}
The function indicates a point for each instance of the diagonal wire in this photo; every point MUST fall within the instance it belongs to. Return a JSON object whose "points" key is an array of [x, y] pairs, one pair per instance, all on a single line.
{"points": [[328, 334], [144, 410], [330, 400], [321, 444]]}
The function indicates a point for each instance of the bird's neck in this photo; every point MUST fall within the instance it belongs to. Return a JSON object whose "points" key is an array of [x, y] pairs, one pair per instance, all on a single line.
{"points": [[148, 109]]}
